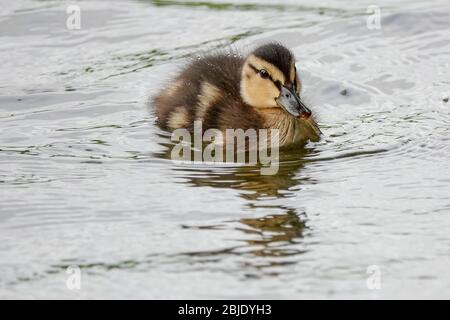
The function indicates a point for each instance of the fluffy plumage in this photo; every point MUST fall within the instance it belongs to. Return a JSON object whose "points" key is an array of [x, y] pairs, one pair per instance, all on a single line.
{"points": [[230, 91]]}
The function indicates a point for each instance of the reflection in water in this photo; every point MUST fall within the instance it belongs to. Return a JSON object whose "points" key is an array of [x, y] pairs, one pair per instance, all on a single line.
{"points": [[269, 235], [273, 233]]}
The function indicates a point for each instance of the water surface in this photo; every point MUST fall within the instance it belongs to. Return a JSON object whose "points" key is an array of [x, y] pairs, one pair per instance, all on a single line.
{"points": [[84, 179]]}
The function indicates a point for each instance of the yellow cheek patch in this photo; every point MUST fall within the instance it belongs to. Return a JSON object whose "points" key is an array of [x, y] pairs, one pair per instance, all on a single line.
{"points": [[178, 119], [208, 95], [258, 92], [264, 89]]}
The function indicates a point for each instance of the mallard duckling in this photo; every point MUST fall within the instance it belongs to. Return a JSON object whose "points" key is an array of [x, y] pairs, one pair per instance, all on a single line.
{"points": [[226, 91]]}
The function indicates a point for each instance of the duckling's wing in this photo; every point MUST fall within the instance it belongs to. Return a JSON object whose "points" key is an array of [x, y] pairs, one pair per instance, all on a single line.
{"points": [[200, 85]]}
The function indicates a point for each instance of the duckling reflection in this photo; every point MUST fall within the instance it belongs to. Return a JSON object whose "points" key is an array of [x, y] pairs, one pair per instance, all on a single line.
{"points": [[248, 178], [273, 234], [252, 184]]}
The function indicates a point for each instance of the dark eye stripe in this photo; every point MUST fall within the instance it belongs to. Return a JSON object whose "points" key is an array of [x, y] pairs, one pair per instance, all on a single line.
{"points": [[253, 67], [278, 84]]}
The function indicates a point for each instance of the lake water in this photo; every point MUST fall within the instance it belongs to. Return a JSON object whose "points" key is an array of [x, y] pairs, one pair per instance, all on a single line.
{"points": [[84, 180]]}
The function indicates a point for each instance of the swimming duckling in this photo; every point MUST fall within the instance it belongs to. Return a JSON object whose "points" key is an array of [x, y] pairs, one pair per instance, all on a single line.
{"points": [[261, 91]]}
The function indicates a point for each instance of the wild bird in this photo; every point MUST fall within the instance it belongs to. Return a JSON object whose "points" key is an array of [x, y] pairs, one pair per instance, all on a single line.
{"points": [[229, 91]]}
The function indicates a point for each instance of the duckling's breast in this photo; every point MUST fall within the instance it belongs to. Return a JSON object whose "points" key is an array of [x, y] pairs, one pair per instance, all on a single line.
{"points": [[291, 131]]}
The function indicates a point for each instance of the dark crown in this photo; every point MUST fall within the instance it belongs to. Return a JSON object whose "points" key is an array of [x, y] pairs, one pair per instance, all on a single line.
{"points": [[278, 55]]}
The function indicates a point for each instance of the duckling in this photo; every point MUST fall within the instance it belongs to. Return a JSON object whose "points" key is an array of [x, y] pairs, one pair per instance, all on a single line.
{"points": [[226, 91]]}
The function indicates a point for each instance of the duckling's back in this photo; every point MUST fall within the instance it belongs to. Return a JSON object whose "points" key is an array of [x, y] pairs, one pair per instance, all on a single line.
{"points": [[208, 89]]}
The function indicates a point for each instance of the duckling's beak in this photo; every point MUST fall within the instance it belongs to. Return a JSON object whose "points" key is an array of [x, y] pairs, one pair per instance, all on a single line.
{"points": [[291, 103]]}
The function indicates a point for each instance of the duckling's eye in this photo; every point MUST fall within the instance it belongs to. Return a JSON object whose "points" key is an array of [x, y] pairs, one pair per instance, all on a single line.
{"points": [[263, 73]]}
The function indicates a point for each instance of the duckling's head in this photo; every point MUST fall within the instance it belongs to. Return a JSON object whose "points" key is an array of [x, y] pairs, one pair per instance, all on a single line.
{"points": [[269, 80]]}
